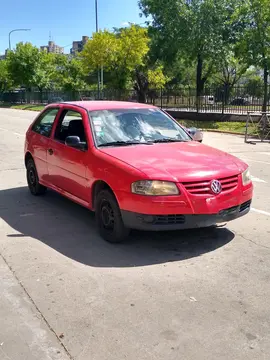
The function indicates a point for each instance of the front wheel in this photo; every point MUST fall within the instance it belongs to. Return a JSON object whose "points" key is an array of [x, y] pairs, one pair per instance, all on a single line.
{"points": [[108, 218], [32, 179]]}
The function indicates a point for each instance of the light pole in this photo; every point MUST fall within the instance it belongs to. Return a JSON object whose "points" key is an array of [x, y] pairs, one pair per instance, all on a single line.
{"points": [[12, 32], [100, 73]]}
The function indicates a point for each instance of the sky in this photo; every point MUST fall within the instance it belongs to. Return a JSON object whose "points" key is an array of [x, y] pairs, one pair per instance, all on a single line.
{"points": [[65, 20]]}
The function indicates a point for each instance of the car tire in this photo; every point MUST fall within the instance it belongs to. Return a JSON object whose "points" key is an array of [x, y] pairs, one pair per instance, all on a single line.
{"points": [[32, 179], [108, 218]]}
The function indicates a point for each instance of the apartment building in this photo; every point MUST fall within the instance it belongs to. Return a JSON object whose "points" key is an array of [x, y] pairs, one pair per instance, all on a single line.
{"points": [[52, 48], [77, 46]]}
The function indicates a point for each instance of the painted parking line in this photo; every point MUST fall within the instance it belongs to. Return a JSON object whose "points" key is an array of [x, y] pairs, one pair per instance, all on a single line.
{"points": [[255, 179], [13, 132], [257, 161], [262, 212]]}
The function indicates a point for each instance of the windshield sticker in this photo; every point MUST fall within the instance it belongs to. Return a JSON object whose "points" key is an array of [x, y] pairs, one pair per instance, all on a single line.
{"points": [[98, 128]]}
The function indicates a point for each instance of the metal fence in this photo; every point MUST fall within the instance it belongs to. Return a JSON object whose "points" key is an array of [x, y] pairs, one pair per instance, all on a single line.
{"points": [[224, 100]]}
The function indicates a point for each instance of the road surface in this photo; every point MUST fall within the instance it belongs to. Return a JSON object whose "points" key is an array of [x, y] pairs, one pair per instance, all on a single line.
{"points": [[67, 294]]}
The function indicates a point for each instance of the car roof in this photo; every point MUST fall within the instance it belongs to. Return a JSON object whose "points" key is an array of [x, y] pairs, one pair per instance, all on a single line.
{"points": [[106, 105]]}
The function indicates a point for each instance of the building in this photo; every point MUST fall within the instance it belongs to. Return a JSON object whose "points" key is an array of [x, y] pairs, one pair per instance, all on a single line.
{"points": [[77, 46], [3, 56], [52, 48]]}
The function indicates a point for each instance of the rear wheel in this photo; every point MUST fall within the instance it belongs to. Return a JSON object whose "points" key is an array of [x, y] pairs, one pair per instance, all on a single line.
{"points": [[32, 179], [109, 219]]}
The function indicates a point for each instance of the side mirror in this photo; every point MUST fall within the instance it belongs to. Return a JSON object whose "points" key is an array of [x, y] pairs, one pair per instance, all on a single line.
{"points": [[196, 134], [75, 142]]}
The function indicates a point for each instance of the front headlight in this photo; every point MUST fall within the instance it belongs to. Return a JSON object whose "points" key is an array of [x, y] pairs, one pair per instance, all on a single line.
{"points": [[246, 177], [154, 188]]}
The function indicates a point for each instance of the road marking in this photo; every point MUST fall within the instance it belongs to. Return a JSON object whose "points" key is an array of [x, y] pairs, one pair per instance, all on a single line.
{"points": [[260, 212], [258, 161], [255, 179], [13, 132]]}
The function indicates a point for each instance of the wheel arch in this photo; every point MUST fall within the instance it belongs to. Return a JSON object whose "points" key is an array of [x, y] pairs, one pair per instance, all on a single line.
{"points": [[98, 186], [27, 157]]}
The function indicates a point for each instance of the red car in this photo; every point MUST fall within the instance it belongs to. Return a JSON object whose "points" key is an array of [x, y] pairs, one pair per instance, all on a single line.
{"points": [[134, 166]]}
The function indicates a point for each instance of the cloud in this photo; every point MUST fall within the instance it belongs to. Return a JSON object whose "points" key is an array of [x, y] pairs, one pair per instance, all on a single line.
{"points": [[125, 23]]}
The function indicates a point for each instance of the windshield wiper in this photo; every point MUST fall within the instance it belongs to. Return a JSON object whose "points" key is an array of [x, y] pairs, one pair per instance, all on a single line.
{"points": [[125, 143], [168, 140]]}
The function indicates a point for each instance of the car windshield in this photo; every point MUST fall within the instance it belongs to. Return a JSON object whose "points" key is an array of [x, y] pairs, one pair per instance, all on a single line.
{"points": [[123, 127]]}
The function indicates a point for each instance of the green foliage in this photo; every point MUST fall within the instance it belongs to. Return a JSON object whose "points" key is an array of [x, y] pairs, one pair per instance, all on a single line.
{"points": [[230, 70], [254, 86], [29, 67], [69, 73], [119, 52], [5, 79], [189, 43], [253, 45], [156, 78], [100, 51], [199, 30]]}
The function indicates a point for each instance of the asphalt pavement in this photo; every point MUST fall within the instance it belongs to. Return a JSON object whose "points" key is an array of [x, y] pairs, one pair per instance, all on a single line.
{"points": [[67, 294]]}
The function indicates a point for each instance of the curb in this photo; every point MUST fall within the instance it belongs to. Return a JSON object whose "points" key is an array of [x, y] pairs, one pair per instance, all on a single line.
{"points": [[223, 132], [10, 108]]}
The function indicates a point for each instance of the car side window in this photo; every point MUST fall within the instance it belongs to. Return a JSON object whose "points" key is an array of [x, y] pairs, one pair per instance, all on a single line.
{"points": [[70, 124], [43, 125]]}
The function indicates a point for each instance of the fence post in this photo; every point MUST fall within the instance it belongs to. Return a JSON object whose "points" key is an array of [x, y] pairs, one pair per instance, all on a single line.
{"points": [[223, 99], [161, 102]]}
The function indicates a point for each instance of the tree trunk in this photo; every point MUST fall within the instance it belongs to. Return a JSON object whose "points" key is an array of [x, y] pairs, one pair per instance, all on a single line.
{"points": [[40, 95], [141, 86], [265, 93], [200, 81], [199, 75], [227, 91]]}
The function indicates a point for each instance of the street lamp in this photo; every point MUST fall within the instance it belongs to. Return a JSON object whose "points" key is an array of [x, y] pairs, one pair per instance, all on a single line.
{"points": [[12, 32]]}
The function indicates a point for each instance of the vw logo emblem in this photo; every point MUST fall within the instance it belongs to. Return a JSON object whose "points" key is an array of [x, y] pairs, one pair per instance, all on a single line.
{"points": [[216, 187]]}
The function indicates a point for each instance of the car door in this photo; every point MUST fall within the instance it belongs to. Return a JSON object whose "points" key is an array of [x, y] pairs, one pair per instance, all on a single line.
{"points": [[40, 137], [67, 165]]}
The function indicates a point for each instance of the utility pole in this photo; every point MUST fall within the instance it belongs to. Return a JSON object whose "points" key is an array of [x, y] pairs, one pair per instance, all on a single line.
{"points": [[96, 11]]}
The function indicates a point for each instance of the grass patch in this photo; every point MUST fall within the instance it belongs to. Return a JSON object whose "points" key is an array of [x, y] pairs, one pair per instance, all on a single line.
{"points": [[232, 126], [31, 107]]}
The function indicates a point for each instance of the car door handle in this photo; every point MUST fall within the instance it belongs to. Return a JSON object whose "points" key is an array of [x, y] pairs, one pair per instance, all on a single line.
{"points": [[50, 151]]}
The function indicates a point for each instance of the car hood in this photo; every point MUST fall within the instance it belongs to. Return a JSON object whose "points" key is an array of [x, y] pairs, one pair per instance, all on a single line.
{"points": [[178, 162]]}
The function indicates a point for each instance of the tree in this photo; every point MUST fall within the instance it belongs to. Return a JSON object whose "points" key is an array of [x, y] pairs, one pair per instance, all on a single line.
{"points": [[44, 71], [156, 78], [255, 86], [5, 79], [149, 79], [228, 73], [200, 30], [30, 67], [100, 51], [253, 45], [69, 74], [120, 52]]}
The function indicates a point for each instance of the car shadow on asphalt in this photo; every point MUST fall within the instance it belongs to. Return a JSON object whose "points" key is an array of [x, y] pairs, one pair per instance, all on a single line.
{"points": [[70, 229]]}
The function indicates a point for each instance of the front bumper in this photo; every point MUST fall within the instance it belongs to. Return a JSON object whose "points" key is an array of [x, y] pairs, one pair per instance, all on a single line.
{"points": [[179, 221]]}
